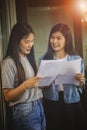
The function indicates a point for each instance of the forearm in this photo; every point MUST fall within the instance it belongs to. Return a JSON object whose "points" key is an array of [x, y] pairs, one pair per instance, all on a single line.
{"points": [[11, 94]]}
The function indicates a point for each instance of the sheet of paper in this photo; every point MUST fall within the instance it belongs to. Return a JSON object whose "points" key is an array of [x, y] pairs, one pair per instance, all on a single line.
{"points": [[62, 72], [48, 70], [68, 72]]}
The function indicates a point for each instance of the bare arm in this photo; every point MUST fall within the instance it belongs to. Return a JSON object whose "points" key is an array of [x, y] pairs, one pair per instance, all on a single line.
{"points": [[11, 94]]}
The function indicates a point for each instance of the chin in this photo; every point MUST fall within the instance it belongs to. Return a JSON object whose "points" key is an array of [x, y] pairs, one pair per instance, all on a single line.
{"points": [[56, 49], [28, 52]]}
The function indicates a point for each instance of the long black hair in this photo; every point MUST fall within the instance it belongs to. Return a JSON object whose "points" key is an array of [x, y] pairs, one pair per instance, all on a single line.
{"points": [[64, 29], [18, 31]]}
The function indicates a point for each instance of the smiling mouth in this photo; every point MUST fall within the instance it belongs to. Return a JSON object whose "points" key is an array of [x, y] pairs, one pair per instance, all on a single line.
{"points": [[56, 46], [28, 49]]}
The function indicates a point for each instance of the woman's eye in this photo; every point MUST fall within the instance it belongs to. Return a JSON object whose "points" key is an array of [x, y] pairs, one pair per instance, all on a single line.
{"points": [[29, 41], [59, 38]]}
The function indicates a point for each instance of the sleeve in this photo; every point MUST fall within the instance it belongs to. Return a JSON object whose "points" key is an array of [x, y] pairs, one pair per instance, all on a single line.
{"points": [[82, 67], [82, 71], [8, 72]]}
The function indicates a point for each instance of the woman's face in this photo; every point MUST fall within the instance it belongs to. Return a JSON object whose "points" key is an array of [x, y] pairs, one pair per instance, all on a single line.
{"points": [[57, 41], [26, 44]]}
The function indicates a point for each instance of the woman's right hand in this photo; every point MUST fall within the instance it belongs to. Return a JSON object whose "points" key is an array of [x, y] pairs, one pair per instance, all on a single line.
{"points": [[11, 94], [32, 82]]}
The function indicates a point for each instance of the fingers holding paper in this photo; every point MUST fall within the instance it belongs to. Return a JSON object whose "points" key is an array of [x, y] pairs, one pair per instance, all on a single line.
{"points": [[80, 77], [32, 82]]}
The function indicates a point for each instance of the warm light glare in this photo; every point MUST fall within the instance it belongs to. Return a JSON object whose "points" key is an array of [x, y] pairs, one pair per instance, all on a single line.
{"points": [[83, 7]]}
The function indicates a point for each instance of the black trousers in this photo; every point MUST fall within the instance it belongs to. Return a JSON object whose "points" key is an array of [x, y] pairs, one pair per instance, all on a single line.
{"points": [[60, 115]]}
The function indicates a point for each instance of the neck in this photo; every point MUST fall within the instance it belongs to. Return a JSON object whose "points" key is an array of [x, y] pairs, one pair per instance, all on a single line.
{"points": [[21, 55], [60, 55]]}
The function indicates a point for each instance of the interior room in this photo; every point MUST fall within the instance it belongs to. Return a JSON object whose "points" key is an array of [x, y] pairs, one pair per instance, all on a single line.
{"points": [[42, 15]]}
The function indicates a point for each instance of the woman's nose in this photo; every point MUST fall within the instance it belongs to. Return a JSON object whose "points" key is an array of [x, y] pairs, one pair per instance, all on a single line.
{"points": [[30, 44], [55, 40]]}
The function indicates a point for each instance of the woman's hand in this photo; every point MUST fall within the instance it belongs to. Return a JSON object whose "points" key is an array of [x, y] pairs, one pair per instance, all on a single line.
{"points": [[11, 94], [80, 77], [32, 82]]}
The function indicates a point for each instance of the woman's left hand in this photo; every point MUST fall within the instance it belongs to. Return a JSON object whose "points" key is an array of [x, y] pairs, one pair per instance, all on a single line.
{"points": [[80, 77]]}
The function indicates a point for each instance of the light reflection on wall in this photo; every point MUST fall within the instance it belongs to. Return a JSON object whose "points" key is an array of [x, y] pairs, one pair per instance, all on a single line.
{"points": [[83, 6]]}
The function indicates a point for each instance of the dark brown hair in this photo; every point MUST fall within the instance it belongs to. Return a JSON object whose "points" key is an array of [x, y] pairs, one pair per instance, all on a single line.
{"points": [[18, 31], [64, 29]]}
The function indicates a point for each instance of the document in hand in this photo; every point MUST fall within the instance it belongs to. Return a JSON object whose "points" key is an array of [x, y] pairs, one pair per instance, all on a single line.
{"points": [[48, 70], [68, 71], [62, 72]]}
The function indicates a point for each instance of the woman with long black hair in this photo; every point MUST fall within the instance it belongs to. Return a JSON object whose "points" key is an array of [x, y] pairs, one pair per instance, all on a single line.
{"points": [[20, 85]]}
